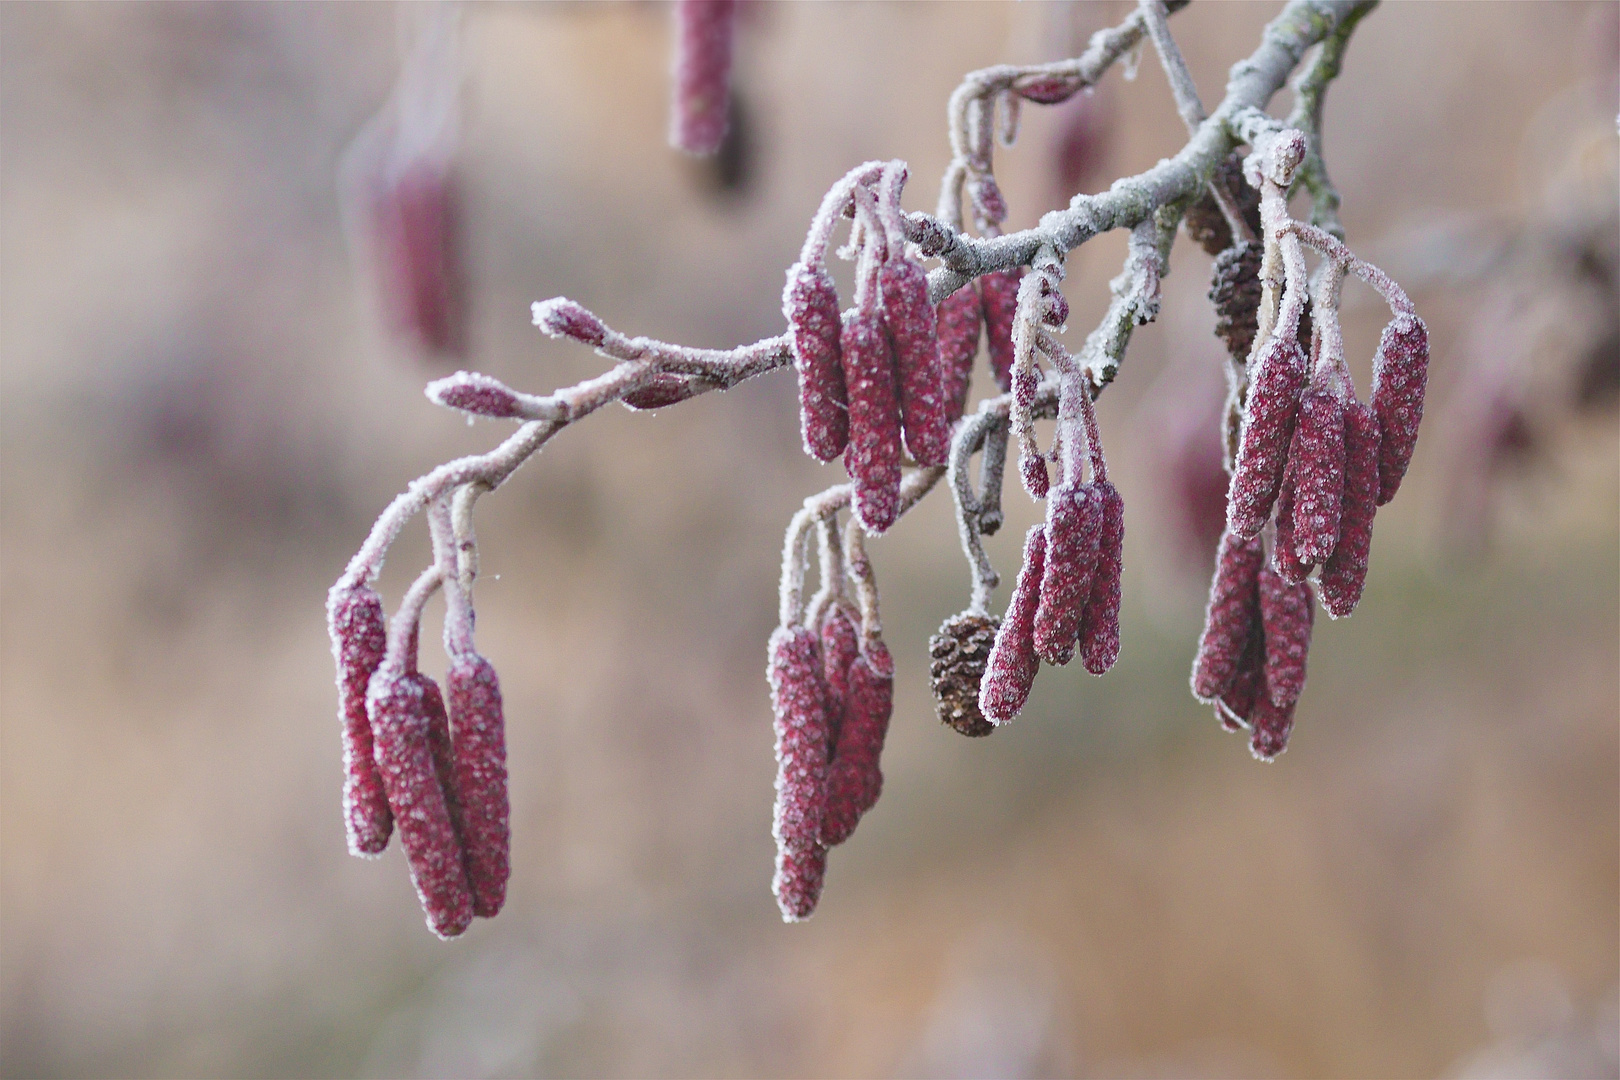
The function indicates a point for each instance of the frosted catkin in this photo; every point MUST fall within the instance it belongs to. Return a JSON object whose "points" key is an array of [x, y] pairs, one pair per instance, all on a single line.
{"points": [[1286, 612], [1285, 559], [810, 302], [914, 330], [1268, 427], [960, 318], [1099, 626], [478, 738], [999, 290], [1316, 459], [1011, 669], [1400, 375], [1073, 534], [1233, 608], [703, 39], [872, 458], [799, 702], [855, 779], [1345, 572], [840, 644], [359, 639], [1271, 725], [1236, 703]]}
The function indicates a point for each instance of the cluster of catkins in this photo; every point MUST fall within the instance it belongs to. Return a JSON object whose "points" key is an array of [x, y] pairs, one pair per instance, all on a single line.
{"points": [[1312, 466], [432, 762]]}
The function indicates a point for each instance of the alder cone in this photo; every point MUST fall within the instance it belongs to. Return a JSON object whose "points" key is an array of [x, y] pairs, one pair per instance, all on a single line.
{"points": [[960, 317], [855, 779], [810, 302], [1268, 428], [958, 654], [799, 702], [1345, 572], [1234, 290], [1205, 223], [703, 38], [840, 644], [1073, 534], [400, 718], [1400, 376], [354, 618], [1286, 613], [872, 458], [1099, 626], [478, 738], [1284, 556], [913, 328], [1316, 458], [999, 289], [1233, 611], [1010, 671]]}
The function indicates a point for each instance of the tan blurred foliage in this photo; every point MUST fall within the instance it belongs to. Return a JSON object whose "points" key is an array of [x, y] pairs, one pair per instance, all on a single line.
{"points": [[201, 414]]}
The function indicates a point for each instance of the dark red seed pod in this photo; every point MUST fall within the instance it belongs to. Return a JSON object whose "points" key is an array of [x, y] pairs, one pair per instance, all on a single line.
{"points": [[666, 388], [354, 618], [799, 702], [960, 315], [478, 733], [1011, 670], [1316, 458], [810, 302], [1268, 427], [1284, 553], [872, 458], [1286, 613], [401, 720], [903, 287], [1099, 627], [1400, 375], [1233, 610], [999, 290], [1074, 519], [1345, 572], [855, 779], [1271, 723], [1236, 704], [840, 644], [703, 36]]}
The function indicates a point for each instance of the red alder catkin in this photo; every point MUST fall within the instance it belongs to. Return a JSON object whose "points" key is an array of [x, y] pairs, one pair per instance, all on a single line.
{"points": [[1316, 459], [810, 302], [1345, 572], [855, 779], [903, 286], [1284, 555], [872, 458], [840, 644], [1400, 375], [1286, 613], [1010, 672], [1268, 426], [1099, 627], [1073, 532], [1236, 703], [799, 701], [1271, 723], [960, 316], [354, 616], [1000, 293], [415, 218], [1233, 610], [478, 738], [400, 718], [703, 36]]}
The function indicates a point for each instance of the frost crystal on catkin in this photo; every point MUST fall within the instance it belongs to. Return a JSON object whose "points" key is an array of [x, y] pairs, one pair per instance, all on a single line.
{"points": [[1010, 671], [1073, 532], [872, 458], [958, 653], [478, 738], [1271, 723], [799, 701], [910, 318], [840, 644], [703, 37], [810, 302], [1099, 627], [960, 316], [1345, 572], [1268, 426], [999, 290], [1400, 375], [1286, 615], [354, 616], [855, 779], [1233, 609], [1316, 459], [1284, 556]]}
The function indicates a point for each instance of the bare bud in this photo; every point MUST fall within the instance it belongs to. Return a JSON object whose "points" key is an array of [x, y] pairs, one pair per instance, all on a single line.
{"points": [[665, 388], [560, 317], [1011, 669], [1400, 375], [478, 394]]}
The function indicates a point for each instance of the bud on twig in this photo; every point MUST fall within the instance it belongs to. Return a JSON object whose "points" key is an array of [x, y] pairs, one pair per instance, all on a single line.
{"points": [[665, 388], [799, 702], [478, 735], [478, 394], [1400, 374], [810, 303], [958, 654], [354, 615], [560, 317], [1234, 608], [1011, 669], [1345, 572], [703, 39]]}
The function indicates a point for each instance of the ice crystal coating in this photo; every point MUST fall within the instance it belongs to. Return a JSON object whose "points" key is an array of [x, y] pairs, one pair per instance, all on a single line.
{"points": [[1268, 427], [1235, 291], [1074, 519], [987, 198], [1345, 572], [840, 644], [1271, 723], [799, 702], [1233, 610], [478, 740], [1284, 554], [478, 394], [1236, 703], [400, 719], [1000, 293], [1316, 459], [1400, 375], [1010, 671], [912, 325], [810, 302], [354, 615], [855, 779], [562, 318], [1099, 627], [872, 457], [958, 653], [665, 388], [959, 317], [703, 38], [1286, 614]]}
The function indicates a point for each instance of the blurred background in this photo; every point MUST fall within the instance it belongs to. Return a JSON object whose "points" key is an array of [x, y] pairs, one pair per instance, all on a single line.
{"points": [[206, 397]]}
